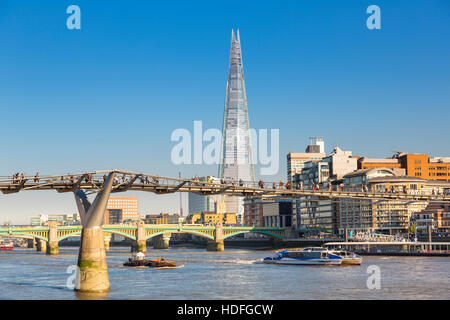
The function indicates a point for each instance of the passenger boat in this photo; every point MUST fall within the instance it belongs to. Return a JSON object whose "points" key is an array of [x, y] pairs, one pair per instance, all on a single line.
{"points": [[306, 256], [348, 258]]}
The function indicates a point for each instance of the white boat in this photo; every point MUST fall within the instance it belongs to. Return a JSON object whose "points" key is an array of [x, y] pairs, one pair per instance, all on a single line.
{"points": [[306, 256], [348, 258]]}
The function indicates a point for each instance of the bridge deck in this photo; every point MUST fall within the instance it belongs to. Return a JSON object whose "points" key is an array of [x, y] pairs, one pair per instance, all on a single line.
{"points": [[132, 181]]}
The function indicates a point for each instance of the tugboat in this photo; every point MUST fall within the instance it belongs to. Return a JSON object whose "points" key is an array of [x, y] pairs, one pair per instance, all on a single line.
{"points": [[306, 256], [138, 260]]}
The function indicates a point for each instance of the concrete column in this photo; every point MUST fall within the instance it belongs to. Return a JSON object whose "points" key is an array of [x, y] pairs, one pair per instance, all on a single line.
{"points": [[161, 242], [93, 270], [92, 261], [107, 240], [41, 245], [140, 245], [217, 243], [52, 247], [31, 244]]}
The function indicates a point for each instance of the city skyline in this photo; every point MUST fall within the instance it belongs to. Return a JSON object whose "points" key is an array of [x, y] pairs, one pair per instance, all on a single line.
{"points": [[322, 69]]}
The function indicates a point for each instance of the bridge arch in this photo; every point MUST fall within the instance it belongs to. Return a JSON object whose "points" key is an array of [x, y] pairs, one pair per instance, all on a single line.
{"points": [[121, 233], [273, 235], [73, 234], [196, 233], [25, 235]]}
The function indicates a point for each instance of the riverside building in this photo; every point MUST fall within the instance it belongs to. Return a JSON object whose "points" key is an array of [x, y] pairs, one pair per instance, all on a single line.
{"points": [[389, 217], [296, 161], [313, 216], [267, 212], [416, 165]]}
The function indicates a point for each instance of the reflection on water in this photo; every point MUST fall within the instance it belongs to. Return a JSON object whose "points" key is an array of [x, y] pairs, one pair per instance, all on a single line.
{"points": [[233, 274]]}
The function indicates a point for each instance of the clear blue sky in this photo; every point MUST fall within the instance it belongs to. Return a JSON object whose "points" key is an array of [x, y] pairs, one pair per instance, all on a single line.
{"points": [[110, 95]]}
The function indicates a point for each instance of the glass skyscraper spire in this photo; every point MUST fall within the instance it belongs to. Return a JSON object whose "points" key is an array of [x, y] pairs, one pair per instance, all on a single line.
{"points": [[236, 155]]}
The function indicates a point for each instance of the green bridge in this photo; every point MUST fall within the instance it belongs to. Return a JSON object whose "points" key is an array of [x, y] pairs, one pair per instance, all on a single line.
{"points": [[48, 236]]}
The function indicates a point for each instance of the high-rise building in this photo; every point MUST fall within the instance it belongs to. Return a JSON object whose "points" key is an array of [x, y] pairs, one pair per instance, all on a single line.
{"points": [[210, 203], [236, 155], [120, 209]]}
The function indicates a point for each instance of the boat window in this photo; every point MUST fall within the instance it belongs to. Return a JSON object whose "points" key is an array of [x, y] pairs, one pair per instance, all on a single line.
{"points": [[294, 255]]}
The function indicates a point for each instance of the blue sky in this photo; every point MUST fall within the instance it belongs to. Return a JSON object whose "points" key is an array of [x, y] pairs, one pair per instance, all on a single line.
{"points": [[110, 95]]}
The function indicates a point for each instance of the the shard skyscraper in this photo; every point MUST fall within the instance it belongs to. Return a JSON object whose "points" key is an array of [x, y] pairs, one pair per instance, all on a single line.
{"points": [[236, 155]]}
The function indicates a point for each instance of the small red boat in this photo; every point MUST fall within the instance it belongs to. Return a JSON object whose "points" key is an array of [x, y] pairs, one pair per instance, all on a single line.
{"points": [[6, 248]]}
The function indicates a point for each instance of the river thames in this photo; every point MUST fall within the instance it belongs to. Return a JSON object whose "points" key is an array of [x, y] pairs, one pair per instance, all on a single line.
{"points": [[233, 274]]}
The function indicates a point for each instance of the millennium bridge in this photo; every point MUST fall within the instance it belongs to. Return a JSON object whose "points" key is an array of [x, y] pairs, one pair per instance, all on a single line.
{"points": [[92, 267], [132, 181]]}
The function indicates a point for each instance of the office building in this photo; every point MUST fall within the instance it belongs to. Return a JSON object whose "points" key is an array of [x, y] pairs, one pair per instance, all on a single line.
{"points": [[236, 155], [271, 210], [162, 218], [121, 209], [296, 161], [211, 218], [416, 165], [389, 217]]}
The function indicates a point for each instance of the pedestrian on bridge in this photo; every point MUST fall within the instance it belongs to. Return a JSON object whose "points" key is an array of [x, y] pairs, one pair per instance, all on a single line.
{"points": [[274, 185], [261, 184], [36, 178], [281, 184], [241, 182]]}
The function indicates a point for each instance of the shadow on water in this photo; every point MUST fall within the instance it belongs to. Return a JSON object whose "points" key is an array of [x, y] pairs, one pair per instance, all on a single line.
{"points": [[34, 285], [91, 295]]}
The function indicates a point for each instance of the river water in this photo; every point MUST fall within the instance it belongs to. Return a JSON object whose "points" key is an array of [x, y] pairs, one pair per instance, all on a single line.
{"points": [[26, 274]]}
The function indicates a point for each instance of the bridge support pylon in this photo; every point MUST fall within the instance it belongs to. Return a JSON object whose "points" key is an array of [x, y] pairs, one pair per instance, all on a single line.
{"points": [[161, 242], [52, 247], [31, 244], [216, 244], [107, 241], [41, 245], [93, 270], [140, 244]]}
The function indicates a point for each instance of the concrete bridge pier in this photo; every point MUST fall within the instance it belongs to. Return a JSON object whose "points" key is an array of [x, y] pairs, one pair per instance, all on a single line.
{"points": [[41, 245], [52, 247], [31, 244], [140, 244], [107, 241], [161, 242], [216, 244], [93, 270]]}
